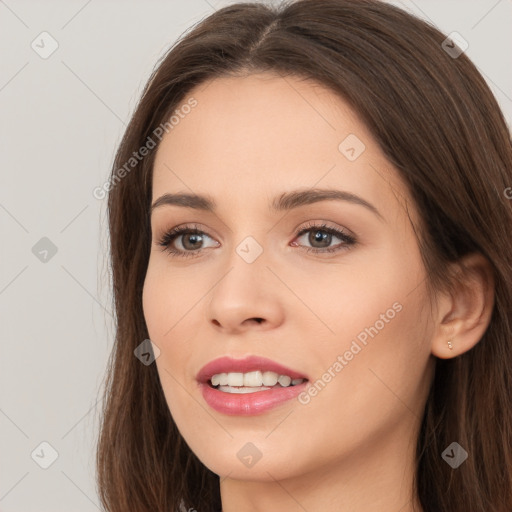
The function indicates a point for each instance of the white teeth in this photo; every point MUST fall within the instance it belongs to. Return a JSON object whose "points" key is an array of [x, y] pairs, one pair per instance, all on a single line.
{"points": [[228, 389], [270, 378], [284, 380], [220, 379], [250, 382], [235, 379], [253, 379]]}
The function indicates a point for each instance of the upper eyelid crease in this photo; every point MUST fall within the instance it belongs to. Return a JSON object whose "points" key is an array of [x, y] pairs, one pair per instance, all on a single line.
{"points": [[285, 202]]}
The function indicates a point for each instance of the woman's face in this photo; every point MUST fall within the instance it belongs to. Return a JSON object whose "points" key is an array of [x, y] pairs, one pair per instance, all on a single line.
{"points": [[342, 305]]}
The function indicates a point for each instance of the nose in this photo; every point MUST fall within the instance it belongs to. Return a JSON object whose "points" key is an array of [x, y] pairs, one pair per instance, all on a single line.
{"points": [[246, 297]]}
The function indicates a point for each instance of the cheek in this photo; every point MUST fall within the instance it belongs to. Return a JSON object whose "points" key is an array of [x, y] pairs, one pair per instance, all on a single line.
{"points": [[169, 313], [165, 316], [166, 298], [371, 372], [370, 332], [342, 300], [162, 312]]}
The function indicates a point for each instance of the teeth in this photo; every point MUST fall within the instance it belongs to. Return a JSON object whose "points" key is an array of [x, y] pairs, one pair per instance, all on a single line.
{"points": [[251, 381], [220, 379], [284, 380], [235, 379], [270, 378], [240, 390]]}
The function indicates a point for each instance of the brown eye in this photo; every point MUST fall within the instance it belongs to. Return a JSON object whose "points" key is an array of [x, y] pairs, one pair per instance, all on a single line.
{"points": [[320, 238], [190, 239]]}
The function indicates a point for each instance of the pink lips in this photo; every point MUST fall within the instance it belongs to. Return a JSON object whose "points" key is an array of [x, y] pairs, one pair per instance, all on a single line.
{"points": [[250, 403]]}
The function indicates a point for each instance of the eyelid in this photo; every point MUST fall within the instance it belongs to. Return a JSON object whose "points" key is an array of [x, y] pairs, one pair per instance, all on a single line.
{"points": [[179, 230], [189, 226], [320, 225]]}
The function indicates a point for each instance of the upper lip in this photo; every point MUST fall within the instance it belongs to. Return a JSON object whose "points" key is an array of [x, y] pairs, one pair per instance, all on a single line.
{"points": [[228, 364]]}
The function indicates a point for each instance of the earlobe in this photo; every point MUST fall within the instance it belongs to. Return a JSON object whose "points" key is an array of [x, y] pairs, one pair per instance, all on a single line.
{"points": [[464, 313]]}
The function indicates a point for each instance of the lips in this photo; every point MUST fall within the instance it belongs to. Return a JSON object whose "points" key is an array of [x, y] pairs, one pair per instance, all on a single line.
{"points": [[248, 364], [223, 400]]}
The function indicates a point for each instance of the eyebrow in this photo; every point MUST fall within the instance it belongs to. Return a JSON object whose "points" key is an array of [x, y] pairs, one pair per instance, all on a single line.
{"points": [[285, 202]]}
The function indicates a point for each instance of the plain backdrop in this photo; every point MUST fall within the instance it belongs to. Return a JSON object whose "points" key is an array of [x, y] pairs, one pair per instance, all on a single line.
{"points": [[62, 116]]}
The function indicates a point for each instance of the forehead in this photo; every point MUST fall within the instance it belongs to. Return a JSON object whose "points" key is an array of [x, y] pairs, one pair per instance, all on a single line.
{"points": [[263, 134]]}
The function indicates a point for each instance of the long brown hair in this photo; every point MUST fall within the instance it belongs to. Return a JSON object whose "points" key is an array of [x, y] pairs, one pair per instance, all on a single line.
{"points": [[438, 123]]}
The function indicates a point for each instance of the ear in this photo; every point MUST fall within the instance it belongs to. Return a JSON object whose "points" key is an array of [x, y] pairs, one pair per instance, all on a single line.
{"points": [[464, 313]]}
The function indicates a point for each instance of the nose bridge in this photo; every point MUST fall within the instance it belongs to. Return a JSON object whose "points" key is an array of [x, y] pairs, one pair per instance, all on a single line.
{"points": [[243, 291], [247, 265], [248, 236], [250, 249]]}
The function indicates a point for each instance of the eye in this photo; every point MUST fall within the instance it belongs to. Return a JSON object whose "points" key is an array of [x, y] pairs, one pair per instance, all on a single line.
{"points": [[321, 237], [187, 241], [189, 238]]}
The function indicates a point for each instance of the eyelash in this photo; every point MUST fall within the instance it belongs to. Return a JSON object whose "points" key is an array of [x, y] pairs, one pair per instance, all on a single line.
{"points": [[169, 237]]}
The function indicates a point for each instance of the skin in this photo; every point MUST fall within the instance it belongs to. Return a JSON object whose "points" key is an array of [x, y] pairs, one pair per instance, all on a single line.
{"points": [[351, 448]]}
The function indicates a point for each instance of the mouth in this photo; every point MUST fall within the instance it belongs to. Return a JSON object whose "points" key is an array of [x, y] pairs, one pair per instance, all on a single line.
{"points": [[251, 382], [248, 386]]}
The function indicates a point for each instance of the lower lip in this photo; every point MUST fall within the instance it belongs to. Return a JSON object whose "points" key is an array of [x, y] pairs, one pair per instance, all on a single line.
{"points": [[248, 404]]}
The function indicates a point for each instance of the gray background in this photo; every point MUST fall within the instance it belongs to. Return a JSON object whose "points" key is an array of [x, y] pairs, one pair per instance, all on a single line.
{"points": [[61, 120]]}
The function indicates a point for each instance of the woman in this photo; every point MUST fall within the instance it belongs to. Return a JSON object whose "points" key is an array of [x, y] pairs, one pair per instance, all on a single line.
{"points": [[311, 255]]}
